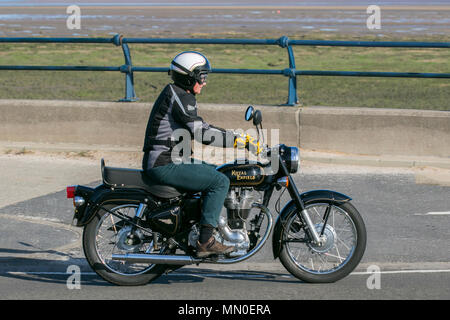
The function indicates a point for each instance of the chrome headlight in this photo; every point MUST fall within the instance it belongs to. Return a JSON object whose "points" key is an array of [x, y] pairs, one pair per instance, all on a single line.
{"points": [[294, 159], [291, 157]]}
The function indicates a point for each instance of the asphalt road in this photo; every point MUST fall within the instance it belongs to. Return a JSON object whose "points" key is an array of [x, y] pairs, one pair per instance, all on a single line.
{"points": [[406, 242], [408, 235]]}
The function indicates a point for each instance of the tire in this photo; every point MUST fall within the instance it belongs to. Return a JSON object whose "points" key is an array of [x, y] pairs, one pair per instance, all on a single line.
{"points": [[99, 258], [338, 256]]}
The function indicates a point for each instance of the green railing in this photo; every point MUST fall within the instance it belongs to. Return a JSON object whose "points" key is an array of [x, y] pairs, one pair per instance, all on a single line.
{"points": [[283, 42]]}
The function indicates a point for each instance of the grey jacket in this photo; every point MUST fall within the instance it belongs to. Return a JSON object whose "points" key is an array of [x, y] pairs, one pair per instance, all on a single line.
{"points": [[177, 109]]}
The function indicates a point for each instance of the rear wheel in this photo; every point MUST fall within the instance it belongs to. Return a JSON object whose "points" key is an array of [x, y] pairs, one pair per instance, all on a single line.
{"points": [[107, 234], [342, 250]]}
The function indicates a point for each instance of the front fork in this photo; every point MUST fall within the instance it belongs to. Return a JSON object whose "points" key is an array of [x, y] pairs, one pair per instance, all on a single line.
{"points": [[302, 213]]}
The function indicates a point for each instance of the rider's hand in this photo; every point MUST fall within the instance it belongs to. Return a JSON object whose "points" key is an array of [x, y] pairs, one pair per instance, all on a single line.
{"points": [[253, 145], [240, 141], [246, 141]]}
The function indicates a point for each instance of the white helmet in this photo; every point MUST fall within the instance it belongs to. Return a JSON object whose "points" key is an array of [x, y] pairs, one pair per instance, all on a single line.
{"points": [[189, 67]]}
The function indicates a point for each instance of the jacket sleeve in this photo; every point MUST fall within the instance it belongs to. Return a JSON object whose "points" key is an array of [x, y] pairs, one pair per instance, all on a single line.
{"points": [[184, 111]]}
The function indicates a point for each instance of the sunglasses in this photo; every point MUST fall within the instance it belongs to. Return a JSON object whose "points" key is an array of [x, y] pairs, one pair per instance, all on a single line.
{"points": [[201, 78]]}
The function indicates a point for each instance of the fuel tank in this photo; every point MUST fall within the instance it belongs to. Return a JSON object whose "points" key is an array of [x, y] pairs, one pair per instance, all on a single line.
{"points": [[243, 173]]}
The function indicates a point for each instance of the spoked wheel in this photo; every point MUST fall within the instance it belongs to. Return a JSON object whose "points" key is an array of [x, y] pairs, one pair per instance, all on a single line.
{"points": [[107, 234], [342, 249]]}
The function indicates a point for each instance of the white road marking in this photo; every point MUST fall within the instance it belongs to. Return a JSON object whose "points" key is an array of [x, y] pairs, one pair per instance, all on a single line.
{"points": [[436, 213], [54, 273], [400, 271]]}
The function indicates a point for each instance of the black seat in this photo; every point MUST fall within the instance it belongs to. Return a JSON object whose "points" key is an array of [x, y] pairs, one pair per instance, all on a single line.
{"points": [[136, 179]]}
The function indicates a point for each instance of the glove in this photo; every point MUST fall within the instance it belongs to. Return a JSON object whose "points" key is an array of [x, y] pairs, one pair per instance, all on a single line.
{"points": [[248, 142], [253, 145], [240, 141]]}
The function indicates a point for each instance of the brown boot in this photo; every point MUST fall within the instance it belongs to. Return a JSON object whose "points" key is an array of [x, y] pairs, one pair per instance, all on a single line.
{"points": [[212, 247]]}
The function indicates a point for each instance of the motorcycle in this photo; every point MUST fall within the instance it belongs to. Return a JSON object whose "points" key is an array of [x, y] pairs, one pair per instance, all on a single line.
{"points": [[136, 230]]}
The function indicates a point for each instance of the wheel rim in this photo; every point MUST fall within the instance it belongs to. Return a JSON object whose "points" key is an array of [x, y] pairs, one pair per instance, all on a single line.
{"points": [[339, 247], [110, 239]]}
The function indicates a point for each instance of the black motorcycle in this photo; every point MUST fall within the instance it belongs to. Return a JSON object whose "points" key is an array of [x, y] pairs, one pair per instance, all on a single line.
{"points": [[136, 230]]}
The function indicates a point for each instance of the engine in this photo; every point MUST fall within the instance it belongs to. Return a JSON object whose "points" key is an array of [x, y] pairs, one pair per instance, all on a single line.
{"points": [[238, 204], [232, 230]]}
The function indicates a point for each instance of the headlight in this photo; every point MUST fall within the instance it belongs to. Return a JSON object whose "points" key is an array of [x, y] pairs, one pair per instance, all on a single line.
{"points": [[291, 156]]}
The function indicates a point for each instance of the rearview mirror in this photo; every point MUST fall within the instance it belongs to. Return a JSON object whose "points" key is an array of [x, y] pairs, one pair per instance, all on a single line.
{"points": [[257, 117], [249, 113]]}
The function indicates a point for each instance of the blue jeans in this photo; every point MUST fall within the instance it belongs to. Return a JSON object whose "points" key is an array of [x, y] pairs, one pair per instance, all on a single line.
{"points": [[201, 177]]}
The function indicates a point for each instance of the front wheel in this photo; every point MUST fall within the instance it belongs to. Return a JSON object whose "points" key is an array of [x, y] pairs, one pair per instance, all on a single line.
{"points": [[345, 242]]}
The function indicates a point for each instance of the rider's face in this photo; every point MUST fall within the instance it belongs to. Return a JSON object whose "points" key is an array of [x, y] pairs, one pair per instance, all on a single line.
{"points": [[198, 87]]}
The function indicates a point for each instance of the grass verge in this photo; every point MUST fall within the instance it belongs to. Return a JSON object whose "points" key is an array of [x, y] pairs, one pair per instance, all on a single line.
{"points": [[432, 94]]}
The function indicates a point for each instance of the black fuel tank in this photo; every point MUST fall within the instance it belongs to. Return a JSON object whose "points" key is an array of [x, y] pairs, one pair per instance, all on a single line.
{"points": [[243, 173]]}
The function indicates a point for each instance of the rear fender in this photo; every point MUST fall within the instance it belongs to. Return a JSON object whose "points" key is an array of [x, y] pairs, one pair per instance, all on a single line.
{"points": [[86, 193], [103, 195], [308, 197]]}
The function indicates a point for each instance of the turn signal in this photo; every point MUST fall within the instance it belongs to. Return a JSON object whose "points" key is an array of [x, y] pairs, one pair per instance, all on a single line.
{"points": [[78, 202], [284, 182]]}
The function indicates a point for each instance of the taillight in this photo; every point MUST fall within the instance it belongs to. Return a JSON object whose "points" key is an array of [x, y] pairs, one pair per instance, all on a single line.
{"points": [[70, 190]]}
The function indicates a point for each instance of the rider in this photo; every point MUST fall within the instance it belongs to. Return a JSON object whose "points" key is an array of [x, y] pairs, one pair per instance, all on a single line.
{"points": [[176, 108]]}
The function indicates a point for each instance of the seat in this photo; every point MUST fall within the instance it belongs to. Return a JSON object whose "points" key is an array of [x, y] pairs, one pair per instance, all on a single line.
{"points": [[136, 179]]}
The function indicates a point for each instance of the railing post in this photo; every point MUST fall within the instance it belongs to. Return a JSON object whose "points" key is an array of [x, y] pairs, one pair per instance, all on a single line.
{"points": [[292, 97], [130, 94]]}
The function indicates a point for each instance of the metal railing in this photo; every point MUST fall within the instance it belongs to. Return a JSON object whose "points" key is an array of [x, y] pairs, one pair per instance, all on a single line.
{"points": [[284, 42]]}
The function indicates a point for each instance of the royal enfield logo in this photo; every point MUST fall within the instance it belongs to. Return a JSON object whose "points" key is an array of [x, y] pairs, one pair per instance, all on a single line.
{"points": [[242, 175]]}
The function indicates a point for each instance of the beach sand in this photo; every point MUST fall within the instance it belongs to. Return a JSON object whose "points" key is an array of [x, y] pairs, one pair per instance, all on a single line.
{"points": [[214, 21]]}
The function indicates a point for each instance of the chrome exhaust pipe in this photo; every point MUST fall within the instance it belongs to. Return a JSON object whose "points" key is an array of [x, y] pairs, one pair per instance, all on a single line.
{"points": [[156, 258], [185, 260]]}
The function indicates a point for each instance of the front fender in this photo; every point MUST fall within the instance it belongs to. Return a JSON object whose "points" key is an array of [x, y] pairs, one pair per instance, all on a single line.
{"points": [[308, 197]]}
